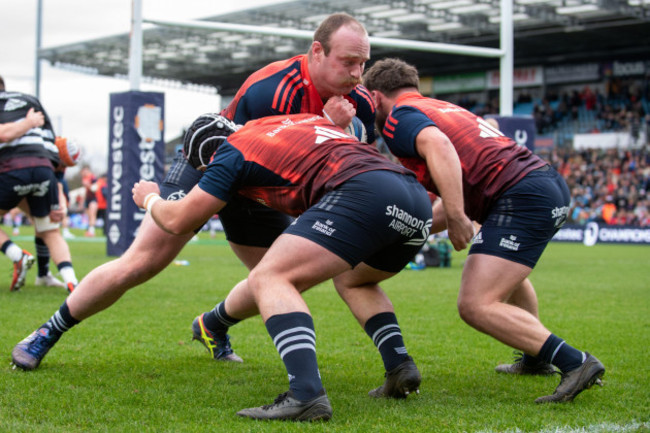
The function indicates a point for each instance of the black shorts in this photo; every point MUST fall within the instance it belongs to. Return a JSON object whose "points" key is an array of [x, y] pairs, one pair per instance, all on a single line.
{"points": [[37, 184], [244, 221], [381, 218], [525, 218]]}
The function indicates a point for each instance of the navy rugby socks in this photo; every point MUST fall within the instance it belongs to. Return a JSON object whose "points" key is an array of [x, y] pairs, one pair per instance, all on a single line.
{"points": [[217, 320], [555, 351], [384, 331], [61, 321], [42, 257], [294, 337]]}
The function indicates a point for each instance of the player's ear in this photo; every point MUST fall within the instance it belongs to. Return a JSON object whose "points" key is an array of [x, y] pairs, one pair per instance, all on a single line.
{"points": [[376, 97], [317, 51]]}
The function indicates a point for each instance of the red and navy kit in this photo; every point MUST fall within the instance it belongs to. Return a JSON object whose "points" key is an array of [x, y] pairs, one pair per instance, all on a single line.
{"points": [[289, 162], [285, 87], [350, 199], [491, 162], [282, 87], [518, 198]]}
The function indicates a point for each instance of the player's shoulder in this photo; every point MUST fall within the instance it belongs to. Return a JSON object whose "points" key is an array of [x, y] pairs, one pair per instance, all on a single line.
{"points": [[360, 89], [277, 70], [406, 111], [272, 76], [362, 96]]}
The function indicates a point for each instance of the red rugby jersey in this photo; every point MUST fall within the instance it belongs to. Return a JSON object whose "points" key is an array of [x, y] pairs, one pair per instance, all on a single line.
{"points": [[491, 162], [289, 162]]}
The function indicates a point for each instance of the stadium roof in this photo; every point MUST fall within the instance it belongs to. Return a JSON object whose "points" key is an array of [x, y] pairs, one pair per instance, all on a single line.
{"points": [[546, 32]]}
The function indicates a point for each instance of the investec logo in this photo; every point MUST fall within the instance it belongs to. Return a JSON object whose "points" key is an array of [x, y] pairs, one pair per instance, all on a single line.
{"points": [[148, 123], [117, 171]]}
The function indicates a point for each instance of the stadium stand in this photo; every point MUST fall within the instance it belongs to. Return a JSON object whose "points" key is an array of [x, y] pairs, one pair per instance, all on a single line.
{"points": [[588, 84]]}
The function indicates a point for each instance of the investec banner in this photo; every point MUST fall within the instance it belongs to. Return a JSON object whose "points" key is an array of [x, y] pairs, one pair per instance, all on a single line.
{"points": [[593, 233], [136, 151]]}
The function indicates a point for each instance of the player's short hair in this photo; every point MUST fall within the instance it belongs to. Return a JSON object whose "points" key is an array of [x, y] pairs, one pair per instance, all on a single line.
{"points": [[2, 84], [389, 75], [331, 24]]}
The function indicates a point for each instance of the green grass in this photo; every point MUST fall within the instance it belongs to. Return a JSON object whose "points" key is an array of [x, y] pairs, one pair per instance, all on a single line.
{"points": [[133, 367]]}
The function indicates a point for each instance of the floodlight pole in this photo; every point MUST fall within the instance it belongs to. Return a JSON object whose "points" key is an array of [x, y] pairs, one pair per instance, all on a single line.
{"points": [[135, 47], [37, 64]]}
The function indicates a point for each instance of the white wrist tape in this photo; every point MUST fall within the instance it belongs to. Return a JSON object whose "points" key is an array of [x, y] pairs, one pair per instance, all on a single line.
{"points": [[150, 199], [328, 117]]}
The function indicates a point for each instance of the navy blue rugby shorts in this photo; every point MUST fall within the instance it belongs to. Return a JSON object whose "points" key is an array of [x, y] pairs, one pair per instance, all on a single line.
{"points": [[525, 218], [36, 184], [381, 218], [245, 221], [180, 179]]}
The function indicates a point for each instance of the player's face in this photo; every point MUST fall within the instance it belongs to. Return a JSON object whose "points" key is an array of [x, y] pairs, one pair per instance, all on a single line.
{"points": [[340, 71]]}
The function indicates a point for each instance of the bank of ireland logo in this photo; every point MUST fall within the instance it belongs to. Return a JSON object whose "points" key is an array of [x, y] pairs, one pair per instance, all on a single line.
{"points": [[510, 243], [325, 228], [590, 236]]}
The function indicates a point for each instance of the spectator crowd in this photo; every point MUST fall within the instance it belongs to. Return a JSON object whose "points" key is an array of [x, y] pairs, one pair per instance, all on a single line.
{"points": [[608, 186], [620, 109]]}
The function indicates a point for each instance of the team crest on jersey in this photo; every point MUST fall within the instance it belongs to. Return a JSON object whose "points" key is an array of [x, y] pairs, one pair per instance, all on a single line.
{"points": [[177, 195], [14, 104]]}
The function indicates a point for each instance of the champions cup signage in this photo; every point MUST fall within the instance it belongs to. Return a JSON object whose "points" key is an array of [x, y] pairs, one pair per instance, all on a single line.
{"points": [[594, 233], [136, 152]]}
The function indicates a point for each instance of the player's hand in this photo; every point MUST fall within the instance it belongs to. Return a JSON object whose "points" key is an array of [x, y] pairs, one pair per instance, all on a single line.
{"points": [[57, 213], [35, 118], [460, 230], [340, 111], [142, 189]]}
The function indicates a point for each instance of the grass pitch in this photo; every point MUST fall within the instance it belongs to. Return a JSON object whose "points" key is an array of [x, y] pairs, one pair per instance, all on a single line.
{"points": [[133, 367]]}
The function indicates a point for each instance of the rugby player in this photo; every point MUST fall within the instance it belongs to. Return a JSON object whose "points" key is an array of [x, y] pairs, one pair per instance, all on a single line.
{"points": [[361, 216], [518, 198], [28, 158]]}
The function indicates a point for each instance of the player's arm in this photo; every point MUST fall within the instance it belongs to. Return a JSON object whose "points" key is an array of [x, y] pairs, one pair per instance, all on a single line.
{"points": [[12, 130], [445, 169], [180, 216]]}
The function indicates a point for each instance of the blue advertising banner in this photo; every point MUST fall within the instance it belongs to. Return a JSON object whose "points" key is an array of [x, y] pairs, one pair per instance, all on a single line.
{"points": [[593, 233], [519, 128], [136, 151]]}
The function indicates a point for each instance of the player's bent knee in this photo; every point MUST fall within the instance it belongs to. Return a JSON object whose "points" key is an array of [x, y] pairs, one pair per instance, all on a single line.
{"points": [[470, 312]]}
